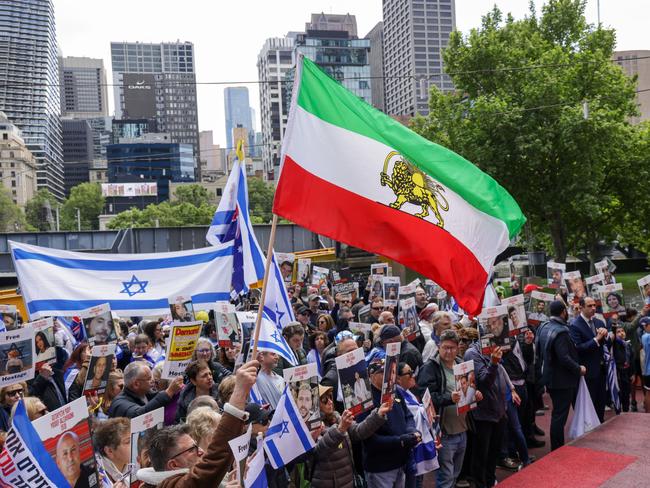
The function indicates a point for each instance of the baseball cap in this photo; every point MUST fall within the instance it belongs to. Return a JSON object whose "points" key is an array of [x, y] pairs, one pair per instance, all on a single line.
{"points": [[644, 321], [258, 414], [389, 331], [313, 297], [302, 310], [344, 334]]}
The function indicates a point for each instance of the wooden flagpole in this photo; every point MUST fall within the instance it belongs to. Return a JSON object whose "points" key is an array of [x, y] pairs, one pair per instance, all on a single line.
{"points": [[267, 267]]}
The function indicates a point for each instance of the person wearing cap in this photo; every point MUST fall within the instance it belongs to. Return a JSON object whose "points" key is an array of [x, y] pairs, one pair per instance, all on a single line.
{"points": [[387, 452], [426, 322], [644, 322], [333, 464], [344, 342], [557, 360], [387, 334], [440, 321], [313, 302]]}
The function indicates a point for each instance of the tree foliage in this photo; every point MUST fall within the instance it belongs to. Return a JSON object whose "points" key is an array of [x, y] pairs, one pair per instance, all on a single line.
{"points": [[260, 200], [36, 209], [194, 194], [87, 197], [518, 113], [12, 218]]}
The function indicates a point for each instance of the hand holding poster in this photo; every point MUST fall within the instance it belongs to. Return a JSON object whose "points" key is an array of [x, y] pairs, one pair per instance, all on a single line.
{"points": [[98, 324], [182, 342], [239, 447], [319, 275], [285, 260], [407, 291], [465, 386], [66, 436], [24, 460], [302, 274], [8, 316], [612, 299], [555, 272], [408, 319], [354, 382], [141, 428], [644, 289], [593, 283], [228, 328], [516, 313], [539, 307], [576, 288], [181, 309], [303, 384], [391, 290], [99, 367], [390, 372], [43, 341], [606, 267], [375, 286], [16, 356], [495, 331]]}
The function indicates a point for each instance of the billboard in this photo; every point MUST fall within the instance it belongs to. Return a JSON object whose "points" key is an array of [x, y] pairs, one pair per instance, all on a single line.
{"points": [[139, 95], [145, 189]]}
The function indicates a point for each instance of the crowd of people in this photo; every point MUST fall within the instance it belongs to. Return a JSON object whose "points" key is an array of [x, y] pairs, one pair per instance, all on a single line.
{"points": [[211, 404]]}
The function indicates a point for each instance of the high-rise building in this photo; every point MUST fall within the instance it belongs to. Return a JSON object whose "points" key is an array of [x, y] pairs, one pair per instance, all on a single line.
{"points": [[158, 81], [211, 157], [376, 38], [17, 163], [637, 63], [274, 60], [29, 79], [83, 87], [238, 113], [77, 151], [415, 34]]}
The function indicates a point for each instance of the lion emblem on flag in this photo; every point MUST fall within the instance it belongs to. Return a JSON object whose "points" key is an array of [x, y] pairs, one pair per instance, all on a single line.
{"points": [[411, 185]]}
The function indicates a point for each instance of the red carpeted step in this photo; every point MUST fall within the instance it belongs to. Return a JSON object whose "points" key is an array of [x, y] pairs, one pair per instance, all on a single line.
{"points": [[569, 466]]}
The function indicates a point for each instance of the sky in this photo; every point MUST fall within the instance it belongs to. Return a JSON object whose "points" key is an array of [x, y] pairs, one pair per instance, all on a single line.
{"points": [[228, 35]]}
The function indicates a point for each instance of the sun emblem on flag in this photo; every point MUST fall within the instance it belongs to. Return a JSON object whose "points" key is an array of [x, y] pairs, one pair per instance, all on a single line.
{"points": [[410, 185]]}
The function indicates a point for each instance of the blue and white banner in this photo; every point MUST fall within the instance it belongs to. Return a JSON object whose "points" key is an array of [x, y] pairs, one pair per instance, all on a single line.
{"points": [[24, 460], [424, 454], [272, 340], [55, 282], [288, 436]]}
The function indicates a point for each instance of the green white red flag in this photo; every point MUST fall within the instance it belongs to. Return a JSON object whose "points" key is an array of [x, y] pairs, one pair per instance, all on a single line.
{"points": [[358, 176]]}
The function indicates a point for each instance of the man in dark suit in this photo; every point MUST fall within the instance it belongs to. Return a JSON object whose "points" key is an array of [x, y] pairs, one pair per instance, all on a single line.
{"points": [[589, 335], [558, 363]]}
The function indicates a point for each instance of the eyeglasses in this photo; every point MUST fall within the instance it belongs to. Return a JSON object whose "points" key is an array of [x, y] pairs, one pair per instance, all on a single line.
{"points": [[408, 373], [203, 351], [326, 399], [194, 447], [464, 341], [15, 393], [322, 322]]}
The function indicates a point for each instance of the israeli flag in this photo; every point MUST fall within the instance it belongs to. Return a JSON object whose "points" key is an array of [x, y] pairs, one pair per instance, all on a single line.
{"points": [[288, 437], [272, 340], [62, 283], [425, 455], [24, 458], [256, 474]]}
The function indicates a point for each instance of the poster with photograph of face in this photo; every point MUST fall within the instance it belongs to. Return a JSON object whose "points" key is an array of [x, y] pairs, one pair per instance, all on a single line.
{"points": [[181, 309], [358, 328], [593, 283], [611, 297], [303, 271], [576, 287], [443, 300], [466, 386], [375, 285], [429, 408], [390, 372], [43, 341], [431, 287], [353, 381], [555, 272], [98, 324], [408, 318], [407, 291], [99, 367], [8, 317], [303, 384], [285, 261], [65, 433], [494, 331], [391, 290], [644, 289], [16, 356], [228, 329], [538, 311], [379, 269], [319, 275], [607, 268], [364, 313], [350, 289], [142, 428], [516, 314]]}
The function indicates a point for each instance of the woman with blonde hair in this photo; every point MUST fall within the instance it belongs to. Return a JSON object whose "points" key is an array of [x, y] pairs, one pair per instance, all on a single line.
{"points": [[34, 407], [10, 395], [203, 421], [114, 387]]}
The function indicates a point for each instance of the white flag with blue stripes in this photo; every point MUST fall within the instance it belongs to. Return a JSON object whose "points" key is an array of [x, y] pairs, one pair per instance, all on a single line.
{"points": [[288, 436], [272, 340], [62, 283], [424, 454], [256, 474]]}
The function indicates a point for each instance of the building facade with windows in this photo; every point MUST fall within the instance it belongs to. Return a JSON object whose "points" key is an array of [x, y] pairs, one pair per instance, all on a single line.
{"points": [[17, 163], [84, 92]]}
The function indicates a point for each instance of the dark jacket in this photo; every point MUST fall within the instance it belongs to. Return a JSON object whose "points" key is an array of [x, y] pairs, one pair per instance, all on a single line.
{"points": [[219, 372], [385, 449], [557, 355], [128, 405], [333, 464], [331, 378], [590, 353], [431, 377], [44, 389], [410, 355], [187, 395], [511, 362], [488, 381]]}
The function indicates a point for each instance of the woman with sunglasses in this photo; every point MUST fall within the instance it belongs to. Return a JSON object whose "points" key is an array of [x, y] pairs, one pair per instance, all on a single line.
{"points": [[10, 396], [333, 461]]}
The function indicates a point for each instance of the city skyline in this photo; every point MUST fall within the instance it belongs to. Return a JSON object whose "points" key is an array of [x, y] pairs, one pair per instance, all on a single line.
{"points": [[236, 61]]}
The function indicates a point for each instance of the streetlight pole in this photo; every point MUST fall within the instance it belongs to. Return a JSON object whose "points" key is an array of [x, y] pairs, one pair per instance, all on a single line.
{"points": [[78, 220]]}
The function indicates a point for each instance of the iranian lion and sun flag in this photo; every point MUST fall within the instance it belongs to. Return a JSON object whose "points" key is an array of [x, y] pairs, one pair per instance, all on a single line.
{"points": [[356, 175]]}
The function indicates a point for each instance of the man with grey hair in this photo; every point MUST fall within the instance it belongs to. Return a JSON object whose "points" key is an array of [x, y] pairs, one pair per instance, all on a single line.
{"points": [[440, 321], [137, 398]]}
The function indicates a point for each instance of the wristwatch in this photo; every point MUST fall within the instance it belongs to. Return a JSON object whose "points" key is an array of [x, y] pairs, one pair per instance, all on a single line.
{"points": [[235, 412]]}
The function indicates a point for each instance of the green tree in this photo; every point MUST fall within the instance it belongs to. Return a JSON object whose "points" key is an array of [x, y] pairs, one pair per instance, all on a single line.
{"points": [[194, 194], [12, 218], [87, 197], [260, 200], [518, 114], [36, 209], [164, 214]]}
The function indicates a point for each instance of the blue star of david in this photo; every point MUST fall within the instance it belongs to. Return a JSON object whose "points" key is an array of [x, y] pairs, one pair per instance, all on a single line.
{"points": [[285, 428], [134, 283], [276, 336]]}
